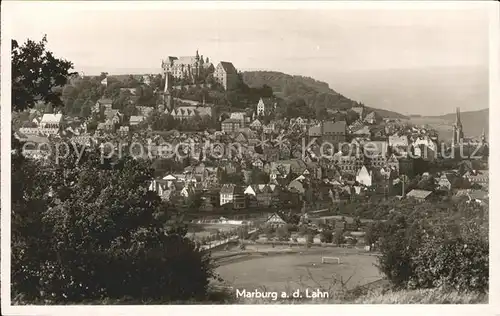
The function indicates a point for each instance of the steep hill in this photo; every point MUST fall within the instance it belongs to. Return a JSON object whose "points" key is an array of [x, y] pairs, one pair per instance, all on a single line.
{"points": [[314, 92]]}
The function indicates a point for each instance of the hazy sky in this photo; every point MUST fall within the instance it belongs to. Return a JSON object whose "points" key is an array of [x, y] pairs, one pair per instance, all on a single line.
{"points": [[310, 42], [289, 41]]}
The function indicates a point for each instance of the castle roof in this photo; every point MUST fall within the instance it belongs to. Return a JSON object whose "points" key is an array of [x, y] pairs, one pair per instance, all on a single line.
{"points": [[185, 60], [228, 67]]}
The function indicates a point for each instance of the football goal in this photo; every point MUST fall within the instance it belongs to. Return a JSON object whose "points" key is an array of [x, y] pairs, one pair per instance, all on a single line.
{"points": [[330, 259]]}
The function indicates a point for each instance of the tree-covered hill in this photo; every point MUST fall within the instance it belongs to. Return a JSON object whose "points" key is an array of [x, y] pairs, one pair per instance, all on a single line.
{"points": [[315, 93]]}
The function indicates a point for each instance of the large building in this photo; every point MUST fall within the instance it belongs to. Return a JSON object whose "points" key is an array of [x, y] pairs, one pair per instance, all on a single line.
{"points": [[187, 112], [191, 68], [195, 69], [226, 75], [231, 193], [329, 131], [231, 125]]}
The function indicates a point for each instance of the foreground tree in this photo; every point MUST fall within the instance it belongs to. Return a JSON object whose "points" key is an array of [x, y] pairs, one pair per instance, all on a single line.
{"points": [[35, 75], [85, 229], [79, 229]]}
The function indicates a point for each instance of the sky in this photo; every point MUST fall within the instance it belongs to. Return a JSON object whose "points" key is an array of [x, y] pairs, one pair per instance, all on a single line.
{"points": [[306, 41]]}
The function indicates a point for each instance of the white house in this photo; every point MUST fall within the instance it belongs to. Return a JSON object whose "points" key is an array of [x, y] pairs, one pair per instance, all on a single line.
{"points": [[398, 141], [425, 148], [275, 220], [135, 120], [264, 106], [364, 176], [51, 121]]}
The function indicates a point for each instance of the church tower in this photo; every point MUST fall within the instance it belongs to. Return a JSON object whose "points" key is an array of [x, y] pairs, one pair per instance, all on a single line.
{"points": [[483, 138], [458, 134], [167, 98], [196, 73]]}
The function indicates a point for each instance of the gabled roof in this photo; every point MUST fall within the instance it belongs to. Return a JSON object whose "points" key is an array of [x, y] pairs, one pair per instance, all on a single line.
{"points": [[238, 115], [230, 120], [186, 60], [314, 130], [227, 189], [169, 177], [51, 118], [267, 101], [363, 172], [420, 194], [136, 118], [364, 130], [337, 127], [275, 218], [256, 123], [373, 116]]}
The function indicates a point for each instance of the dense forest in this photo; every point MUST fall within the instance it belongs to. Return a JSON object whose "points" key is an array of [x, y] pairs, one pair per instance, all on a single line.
{"points": [[80, 94]]}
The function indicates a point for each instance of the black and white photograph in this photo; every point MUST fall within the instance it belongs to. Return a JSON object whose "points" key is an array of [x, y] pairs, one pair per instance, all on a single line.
{"points": [[248, 153]]}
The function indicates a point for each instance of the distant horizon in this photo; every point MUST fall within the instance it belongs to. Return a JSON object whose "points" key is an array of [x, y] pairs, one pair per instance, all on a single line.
{"points": [[325, 44]]}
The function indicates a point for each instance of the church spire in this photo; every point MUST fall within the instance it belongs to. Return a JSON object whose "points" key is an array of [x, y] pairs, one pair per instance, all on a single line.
{"points": [[457, 120]]}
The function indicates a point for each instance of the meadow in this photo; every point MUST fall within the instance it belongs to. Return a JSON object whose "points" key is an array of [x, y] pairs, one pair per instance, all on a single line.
{"points": [[285, 269]]}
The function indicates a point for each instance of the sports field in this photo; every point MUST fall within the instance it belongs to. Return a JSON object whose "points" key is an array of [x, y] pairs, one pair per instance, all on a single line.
{"points": [[282, 271]]}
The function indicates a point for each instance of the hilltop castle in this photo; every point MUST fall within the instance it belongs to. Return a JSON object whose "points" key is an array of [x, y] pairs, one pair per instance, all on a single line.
{"points": [[196, 69], [191, 68]]}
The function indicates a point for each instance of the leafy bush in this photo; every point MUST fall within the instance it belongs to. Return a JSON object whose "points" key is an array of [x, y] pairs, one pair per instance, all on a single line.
{"points": [[269, 231], [459, 263], [254, 236], [326, 236], [338, 237], [283, 234], [243, 233], [440, 248], [309, 238], [302, 230]]}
